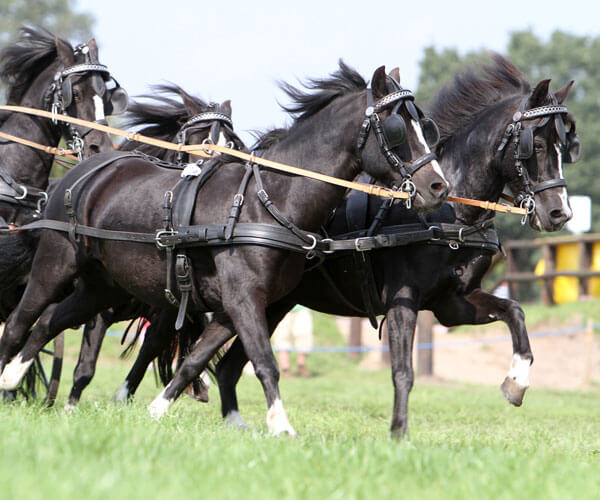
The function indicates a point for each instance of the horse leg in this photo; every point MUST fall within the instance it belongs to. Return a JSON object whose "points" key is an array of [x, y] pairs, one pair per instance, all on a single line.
{"points": [[480, 307], [77, 308], [91, 342], [229, 369], [401, 321], [43, 288], [218, 331], [157, 337]]}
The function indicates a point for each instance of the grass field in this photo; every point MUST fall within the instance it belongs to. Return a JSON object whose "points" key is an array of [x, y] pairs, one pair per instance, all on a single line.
{"points": [[465, 441]]}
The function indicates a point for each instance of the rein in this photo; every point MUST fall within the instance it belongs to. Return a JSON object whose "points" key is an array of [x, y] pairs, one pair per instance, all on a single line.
{"points": [[208, 150], [67, 153]]}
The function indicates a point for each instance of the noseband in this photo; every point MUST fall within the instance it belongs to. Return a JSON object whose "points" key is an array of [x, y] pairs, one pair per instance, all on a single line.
{"points": [[523, 138], [373, 121]]}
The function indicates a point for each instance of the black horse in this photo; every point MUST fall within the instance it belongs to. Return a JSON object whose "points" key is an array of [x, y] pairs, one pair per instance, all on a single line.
{"points": [[169, 114], [43, 71], [444, 272], [237, 282]]}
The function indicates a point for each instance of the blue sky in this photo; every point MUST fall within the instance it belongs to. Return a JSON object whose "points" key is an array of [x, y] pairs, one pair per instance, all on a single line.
{"points": [[238, 50]]}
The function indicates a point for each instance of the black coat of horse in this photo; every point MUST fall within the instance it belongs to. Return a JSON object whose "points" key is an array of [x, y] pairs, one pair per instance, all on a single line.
{"points": [[473, 113], [30, 69], [169, 114], [236, 282]]}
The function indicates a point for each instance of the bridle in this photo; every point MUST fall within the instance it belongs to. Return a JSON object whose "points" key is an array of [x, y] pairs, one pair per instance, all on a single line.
{"points": [[215, 120], [523, 138], [59, 95], [391, 133]]}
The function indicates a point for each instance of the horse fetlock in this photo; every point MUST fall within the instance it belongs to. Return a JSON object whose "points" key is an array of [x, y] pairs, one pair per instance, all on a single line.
{"points": [[235, 420], [13, 373], [159, 406], [277, 420]]}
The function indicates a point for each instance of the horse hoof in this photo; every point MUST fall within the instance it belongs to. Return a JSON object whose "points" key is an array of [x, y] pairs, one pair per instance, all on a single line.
{"points": [[512, 391], [234, 420]]}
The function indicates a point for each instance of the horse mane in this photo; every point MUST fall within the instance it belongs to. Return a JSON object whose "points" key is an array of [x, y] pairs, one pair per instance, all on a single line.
{"points": [[266, 140], [163, 117], [343, 81], [459, 103], [22, 61]]}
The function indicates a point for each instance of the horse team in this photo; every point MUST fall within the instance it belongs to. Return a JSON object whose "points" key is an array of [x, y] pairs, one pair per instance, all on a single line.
{"points": [[173, 236]]}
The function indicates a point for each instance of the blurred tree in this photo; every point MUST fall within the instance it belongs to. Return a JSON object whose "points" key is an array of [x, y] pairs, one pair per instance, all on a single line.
{"points": [[563, 57], [58, 16]]}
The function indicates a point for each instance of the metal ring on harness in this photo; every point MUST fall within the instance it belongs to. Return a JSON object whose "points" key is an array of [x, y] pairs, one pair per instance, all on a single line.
{"points": [[528, 203], [313, 245], [205, 142], [24, 195], [42, 201], [409, 187], [460, 234]]}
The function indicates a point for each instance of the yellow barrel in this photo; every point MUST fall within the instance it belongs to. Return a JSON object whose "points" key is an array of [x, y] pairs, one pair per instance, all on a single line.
{"points": [[595, 266], [566, 289]]}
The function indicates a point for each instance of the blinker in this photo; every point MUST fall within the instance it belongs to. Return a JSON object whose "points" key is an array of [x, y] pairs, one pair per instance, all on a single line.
{"points": [[394, 129]]}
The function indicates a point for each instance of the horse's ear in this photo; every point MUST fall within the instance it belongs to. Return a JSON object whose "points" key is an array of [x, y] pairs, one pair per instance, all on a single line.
{"points": [[189, 102], [64, 52], [562, 94], [395, 74], [226, 108], [93, 46], [379, 83], [539, 94]]}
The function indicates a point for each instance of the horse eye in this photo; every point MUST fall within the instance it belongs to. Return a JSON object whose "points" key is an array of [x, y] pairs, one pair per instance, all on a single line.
{"points": [[539, 148], [76, 96]]}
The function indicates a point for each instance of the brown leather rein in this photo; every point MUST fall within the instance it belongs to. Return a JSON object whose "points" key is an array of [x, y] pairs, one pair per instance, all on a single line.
{"points": [[208, 150]]}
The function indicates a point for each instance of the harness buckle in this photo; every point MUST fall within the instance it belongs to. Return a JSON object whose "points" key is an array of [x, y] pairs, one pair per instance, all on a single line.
{"points": [[160, 234], [359, 246], [327, 241]]}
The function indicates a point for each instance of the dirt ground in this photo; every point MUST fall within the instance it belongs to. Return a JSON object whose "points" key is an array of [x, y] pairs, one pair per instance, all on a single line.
{"points": [[560, 362]]}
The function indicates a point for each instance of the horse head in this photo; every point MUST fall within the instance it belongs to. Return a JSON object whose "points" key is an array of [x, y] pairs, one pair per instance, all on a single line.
{"points": [[543, 138], [84, 88], [405, 138]]}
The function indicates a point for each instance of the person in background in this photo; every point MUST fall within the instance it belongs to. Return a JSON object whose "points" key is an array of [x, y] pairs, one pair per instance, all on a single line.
{"points": [[294, 333]]}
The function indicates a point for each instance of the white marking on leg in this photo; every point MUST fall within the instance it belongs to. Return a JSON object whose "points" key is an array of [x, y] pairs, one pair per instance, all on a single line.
{"points": [[436, 166], [205, 379], [234, 419], [160, 405], [277, 420], [98, 108], [122, 393], [69, 408], [13, 373], [519, 370]]}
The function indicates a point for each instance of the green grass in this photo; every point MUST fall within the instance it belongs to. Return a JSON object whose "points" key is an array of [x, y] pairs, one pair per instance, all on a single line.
{"points": [[466, 441]]}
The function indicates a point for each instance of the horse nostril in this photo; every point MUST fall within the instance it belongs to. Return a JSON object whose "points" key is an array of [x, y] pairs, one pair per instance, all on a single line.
{"points": [[94, 148], [557, 214], [439, 189]]}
